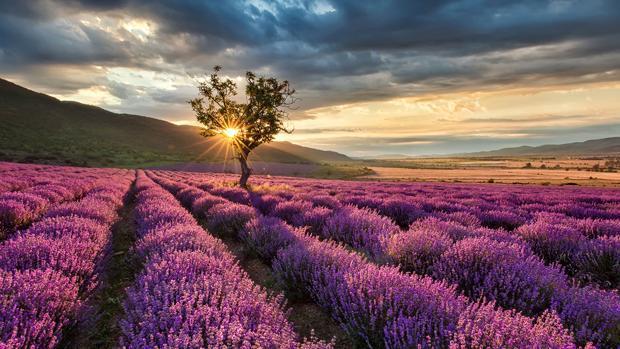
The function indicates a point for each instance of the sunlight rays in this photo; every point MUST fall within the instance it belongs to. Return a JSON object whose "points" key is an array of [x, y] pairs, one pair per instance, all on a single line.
{"points": [[230, 133]]}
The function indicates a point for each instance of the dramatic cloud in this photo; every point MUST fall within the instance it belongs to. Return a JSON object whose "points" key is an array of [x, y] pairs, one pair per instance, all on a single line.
{"points": [[345, 57]]}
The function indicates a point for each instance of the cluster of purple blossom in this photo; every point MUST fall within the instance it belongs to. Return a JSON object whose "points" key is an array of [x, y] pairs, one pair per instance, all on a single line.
{"points": [[379, 306], [48, 271], [451, 241], [575, 227], [191, 292], [28, 196], [397, 265], [15, 176]]}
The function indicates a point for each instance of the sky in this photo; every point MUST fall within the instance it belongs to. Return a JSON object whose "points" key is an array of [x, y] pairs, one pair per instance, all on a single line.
{"points": [[372, 77]]}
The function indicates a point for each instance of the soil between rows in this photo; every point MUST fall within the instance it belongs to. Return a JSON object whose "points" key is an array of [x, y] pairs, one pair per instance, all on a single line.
{"points": [[120, 271], [306, 317]]}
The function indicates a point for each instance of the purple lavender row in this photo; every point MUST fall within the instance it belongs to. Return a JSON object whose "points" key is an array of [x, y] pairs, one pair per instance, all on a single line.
{"points": [[18, 209], [12, 183], [13, 166], [575, 243], [425, 193], [49, 270], [191, 292], [15, 177], [521, 281], [15, 180], [379, 306], [552, 236], [590, 260], [492, 206], [425, 245]]}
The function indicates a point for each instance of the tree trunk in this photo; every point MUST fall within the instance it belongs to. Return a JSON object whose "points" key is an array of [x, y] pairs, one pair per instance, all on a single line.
{"points": [[245, 170]]}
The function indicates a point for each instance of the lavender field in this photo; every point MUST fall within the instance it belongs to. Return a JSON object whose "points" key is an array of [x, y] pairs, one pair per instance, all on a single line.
{"points": [[171, 259]]}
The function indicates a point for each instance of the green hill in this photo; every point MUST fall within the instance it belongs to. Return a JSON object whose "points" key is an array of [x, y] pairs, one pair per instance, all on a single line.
{"points": [[594, 147], [38, 128]]}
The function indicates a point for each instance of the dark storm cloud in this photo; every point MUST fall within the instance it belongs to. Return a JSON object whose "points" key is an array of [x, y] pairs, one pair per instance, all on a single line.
{"points": [[338, 51], [25, 42], [450, 28]]}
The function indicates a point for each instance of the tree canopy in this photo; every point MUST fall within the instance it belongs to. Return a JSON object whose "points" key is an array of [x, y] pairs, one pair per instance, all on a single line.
{"points": [[247, 124]]}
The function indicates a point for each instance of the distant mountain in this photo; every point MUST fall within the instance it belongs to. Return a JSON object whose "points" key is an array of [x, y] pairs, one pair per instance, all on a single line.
{"points": [[595, 147], [36, 127]]}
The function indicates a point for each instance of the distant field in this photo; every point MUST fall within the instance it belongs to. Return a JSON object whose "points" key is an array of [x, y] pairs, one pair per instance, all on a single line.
{"points": [[495, 162], [497, 175], [518, 170]]}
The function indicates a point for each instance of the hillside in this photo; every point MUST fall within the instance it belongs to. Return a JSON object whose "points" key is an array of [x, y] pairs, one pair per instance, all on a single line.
{"points": [[595, 147], [40, 128]]}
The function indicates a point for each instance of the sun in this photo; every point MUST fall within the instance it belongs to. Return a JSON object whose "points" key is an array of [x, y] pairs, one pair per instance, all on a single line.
{"points": [[230, 132]]}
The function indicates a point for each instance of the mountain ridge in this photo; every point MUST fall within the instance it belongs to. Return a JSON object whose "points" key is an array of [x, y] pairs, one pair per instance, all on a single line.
{"points": [[609, 146], [41, 128], [592, 147]]}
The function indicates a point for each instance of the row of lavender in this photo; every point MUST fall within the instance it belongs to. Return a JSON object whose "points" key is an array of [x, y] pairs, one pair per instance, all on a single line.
{"points": [[378, 306], [587, 248], [14, 167], [593, 211], [458, 254], [33, 192], [49, 271], [191, 292], [15, 176]]}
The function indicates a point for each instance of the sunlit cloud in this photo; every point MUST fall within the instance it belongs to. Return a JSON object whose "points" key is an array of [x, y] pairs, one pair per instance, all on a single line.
{"points": [[503, 115], [191, 122], [97, 95]]}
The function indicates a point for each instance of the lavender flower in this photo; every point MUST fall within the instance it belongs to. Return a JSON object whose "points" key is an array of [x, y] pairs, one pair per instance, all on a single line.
{"points": [[203, 203], [266, 203], [480, 325], [402, 212], [417, 250], [552, 242], [267, 235], [599, 262], [503, 272], [592, 314], [292, 211], [501, 219], [229, 218], [35, 305], [361, 228]]}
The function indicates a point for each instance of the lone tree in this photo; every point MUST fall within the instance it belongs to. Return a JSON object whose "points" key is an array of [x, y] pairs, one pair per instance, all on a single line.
{"points": [[245, 125]]}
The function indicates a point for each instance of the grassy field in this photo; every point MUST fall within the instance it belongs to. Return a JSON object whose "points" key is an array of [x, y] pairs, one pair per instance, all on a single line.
{"points": [[564, 163], [549, 171]]}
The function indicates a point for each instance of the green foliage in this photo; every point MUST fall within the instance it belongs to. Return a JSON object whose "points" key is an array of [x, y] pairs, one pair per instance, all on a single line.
{"points": [[257, 121], [247, 125]]}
